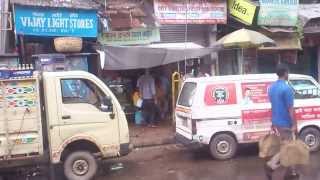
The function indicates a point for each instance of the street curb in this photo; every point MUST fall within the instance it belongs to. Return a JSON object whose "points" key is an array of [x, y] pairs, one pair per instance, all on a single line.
{"points": [[167, 141]]}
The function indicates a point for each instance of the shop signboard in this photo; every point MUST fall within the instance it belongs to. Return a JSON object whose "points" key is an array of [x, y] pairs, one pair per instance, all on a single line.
{"points": [[55, 21], [278, 12], [191, 12], [131, 37], [242, 10]]}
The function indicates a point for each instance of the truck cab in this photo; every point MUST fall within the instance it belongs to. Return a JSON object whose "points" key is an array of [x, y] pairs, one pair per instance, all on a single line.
{"points": [[75, 119]]}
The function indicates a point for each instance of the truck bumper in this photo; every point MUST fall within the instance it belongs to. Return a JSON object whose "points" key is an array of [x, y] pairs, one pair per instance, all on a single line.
{"points": [[125, 149], [187, 142]]}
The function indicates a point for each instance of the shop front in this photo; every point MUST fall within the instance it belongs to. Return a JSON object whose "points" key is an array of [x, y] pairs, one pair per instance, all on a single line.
{"points": [[133, 43], [310, 15], [39, 27], [288, 50]]}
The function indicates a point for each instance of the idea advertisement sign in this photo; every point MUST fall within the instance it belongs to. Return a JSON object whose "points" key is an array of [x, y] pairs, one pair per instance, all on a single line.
{"points": [[243, 10]]}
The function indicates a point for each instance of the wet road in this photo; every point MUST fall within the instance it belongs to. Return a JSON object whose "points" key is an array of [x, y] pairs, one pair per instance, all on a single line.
{"points": [[174, 162]]}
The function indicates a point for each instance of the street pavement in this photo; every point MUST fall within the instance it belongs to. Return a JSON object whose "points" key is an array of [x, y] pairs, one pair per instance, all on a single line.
{"points": [[175, 162], [178, 163]]}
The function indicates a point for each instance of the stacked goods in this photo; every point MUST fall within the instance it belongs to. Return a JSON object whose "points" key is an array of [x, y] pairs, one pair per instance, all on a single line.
{"points": [[68, 44]]}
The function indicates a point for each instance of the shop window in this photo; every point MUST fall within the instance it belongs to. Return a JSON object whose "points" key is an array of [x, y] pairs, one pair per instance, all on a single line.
{"points": [[81, 91], [305, 89]]}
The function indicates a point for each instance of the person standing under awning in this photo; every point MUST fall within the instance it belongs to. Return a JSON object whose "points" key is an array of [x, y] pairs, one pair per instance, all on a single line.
{"points": [[146, 85]]}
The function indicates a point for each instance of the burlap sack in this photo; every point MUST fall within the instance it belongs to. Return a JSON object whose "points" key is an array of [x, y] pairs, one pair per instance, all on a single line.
{"points": [[269, 145], [294, 152]]}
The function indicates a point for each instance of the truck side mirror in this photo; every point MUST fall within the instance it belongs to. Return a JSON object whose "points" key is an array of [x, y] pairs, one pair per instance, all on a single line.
{"points": [[107, 105]]}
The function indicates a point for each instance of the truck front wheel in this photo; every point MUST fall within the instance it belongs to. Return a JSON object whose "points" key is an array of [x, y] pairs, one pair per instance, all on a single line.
{"points": [[80, 165]]}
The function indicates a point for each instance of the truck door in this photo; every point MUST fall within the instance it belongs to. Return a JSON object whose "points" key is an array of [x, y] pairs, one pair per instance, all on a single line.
{"points": [[86, 111]]}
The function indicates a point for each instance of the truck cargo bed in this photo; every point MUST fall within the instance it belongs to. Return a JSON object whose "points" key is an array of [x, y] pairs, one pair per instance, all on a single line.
{"points": [[20, 119]]}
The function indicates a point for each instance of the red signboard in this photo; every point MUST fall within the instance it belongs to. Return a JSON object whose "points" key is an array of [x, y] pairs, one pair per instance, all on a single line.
{"points": [[191, 12], [264, 115], [220, 94], [256, 92], [254, 136], [307, 113], [256, 116]]}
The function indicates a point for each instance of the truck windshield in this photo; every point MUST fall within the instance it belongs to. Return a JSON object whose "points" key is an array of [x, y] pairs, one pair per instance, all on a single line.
{"points": [[305, 88], [187, 93]]}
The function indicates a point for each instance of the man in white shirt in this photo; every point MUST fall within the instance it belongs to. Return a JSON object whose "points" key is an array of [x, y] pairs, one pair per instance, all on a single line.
{"points": [[146, 85]]}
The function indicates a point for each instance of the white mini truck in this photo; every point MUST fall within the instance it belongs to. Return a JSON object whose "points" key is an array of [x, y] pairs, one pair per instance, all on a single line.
{"points": [[225, 111], [51, 117]]}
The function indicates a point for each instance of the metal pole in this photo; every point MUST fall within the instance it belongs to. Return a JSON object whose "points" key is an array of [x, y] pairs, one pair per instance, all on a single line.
{"points": [[240, 61], [4, 6]]}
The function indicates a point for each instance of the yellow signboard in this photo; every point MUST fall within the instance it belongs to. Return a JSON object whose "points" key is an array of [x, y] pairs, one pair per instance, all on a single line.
{"points": [[242, 10]]}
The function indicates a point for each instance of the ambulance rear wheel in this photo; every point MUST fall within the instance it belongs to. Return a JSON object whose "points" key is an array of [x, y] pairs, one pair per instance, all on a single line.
{"points": [[223, 147], [311, 136]]}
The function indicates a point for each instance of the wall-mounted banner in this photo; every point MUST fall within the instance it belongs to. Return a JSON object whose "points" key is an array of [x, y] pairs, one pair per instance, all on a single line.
{"points": [[278, 12], [242, 10], [191, 11], [132, 37], [55, 21]]}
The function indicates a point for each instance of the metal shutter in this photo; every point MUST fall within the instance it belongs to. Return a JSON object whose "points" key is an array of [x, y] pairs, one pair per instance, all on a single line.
{"points": [[176, 33]]}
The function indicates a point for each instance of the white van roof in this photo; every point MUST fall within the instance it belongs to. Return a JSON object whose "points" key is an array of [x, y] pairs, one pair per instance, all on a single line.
{"points": [[242, 77]]}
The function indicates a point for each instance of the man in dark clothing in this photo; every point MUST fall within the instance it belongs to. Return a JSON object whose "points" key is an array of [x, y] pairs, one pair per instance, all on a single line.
{"points": [[147, 89], [281, 96]]}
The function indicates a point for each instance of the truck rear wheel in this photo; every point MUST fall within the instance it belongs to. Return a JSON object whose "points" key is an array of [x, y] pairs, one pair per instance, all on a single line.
{"points": [[311, 136], [80, 165], [223, 146]]}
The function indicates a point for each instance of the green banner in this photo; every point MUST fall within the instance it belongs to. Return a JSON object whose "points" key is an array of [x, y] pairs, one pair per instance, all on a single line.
{"points": [[131, 37], [278, 12]]}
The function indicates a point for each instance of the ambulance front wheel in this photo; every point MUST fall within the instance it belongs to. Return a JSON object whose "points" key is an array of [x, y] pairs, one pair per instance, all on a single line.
{"points": [[223, 146], [311, 136]]}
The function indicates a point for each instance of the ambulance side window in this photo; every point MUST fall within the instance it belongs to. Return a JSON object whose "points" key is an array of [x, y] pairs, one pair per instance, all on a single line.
{"points": [[304, 89], [187, 93]]}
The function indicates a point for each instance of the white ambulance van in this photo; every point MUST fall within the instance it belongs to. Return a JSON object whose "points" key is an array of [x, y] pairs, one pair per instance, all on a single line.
{"points": [[225, 111]]}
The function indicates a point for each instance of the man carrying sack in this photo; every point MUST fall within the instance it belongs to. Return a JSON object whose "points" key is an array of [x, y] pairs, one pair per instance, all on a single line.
{"points": [[284, 125]]}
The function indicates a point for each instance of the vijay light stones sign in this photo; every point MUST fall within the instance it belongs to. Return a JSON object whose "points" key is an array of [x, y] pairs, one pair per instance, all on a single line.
{"points": [[278, 12], [55, 21]]}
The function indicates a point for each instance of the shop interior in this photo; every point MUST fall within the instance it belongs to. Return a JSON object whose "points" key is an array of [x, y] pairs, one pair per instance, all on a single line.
{"points": [[123, 83]]}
